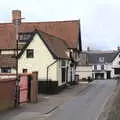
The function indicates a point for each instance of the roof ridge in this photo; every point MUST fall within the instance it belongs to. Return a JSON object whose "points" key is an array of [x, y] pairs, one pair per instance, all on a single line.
{"points": [[56, 21]]}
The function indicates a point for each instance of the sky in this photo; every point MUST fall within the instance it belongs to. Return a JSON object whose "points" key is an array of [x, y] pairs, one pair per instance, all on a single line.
{"points": [[99, 19]]}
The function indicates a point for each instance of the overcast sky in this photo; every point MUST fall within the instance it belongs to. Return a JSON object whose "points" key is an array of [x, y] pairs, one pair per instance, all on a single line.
{"points": [[100, 19]]}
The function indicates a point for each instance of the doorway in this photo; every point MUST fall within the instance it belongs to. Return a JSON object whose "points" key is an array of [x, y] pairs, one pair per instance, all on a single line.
{"points": [[108, 74], [99, 75]]}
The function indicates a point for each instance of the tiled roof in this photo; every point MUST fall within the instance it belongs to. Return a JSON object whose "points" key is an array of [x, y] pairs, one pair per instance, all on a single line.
{"points": [[93, 57], [7, 61], [66, 30], [55, 45]]}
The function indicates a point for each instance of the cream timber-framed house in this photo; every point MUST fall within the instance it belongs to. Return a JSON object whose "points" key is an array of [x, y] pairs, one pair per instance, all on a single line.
{"points": [[47, 55]]}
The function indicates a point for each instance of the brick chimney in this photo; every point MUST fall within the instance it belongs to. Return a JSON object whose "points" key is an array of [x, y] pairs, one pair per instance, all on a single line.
{"points": [[16, 14]]}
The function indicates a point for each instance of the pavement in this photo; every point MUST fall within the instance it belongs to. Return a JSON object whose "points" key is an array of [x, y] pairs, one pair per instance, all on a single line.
{"points": [[46, 104]]}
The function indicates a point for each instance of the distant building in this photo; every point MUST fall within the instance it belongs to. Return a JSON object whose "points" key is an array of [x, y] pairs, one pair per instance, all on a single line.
{"points": [[105, 64]]}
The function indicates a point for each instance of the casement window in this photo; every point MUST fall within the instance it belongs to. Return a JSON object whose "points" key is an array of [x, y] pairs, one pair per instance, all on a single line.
{"points": [[102, 67], [101, 59], [29, 53], [5, 70]]}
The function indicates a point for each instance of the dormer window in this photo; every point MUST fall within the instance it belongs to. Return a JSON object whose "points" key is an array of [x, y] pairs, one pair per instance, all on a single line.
{"points": [[101, 59]]}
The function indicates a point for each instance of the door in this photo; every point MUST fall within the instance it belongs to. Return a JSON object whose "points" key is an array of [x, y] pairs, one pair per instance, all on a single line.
{"points": [[108, 74], [63, 75]]}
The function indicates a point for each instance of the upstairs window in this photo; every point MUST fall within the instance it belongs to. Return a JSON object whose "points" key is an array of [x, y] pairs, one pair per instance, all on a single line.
{"points": [[30, 53], [102, 67], [5, 70], [95, 67], [63, 63], [101, 59], [25, 36]]}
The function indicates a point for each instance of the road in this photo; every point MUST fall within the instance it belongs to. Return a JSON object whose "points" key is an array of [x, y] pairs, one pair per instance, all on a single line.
{"points": [[87, 105]]}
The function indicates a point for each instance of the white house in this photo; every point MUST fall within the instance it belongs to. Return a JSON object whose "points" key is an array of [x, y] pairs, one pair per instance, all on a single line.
{"points": [[116, 66], [84, 71], [102, 63], [47, 55]]}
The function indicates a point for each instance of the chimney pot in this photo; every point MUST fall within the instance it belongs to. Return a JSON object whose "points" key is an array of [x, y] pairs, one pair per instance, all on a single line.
{"points": [[16, 14]]}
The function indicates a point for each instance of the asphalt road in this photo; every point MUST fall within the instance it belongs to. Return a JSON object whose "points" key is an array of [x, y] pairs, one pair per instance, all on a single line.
{"points": [[87, 105]]}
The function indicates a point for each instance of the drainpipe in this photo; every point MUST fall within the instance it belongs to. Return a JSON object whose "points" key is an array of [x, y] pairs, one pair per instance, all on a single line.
{"points": [[49, 67]]}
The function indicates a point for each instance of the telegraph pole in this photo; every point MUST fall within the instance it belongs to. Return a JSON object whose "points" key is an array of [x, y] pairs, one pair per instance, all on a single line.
{"points": [[17, 23]]}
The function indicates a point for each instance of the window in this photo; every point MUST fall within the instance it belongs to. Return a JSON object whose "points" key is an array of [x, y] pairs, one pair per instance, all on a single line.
{"points": [[25, 36], [101, 59], [63, 63], [24, 70], [5, 70], [102, 67], [30, 53], [117, 70], [95, 67]]}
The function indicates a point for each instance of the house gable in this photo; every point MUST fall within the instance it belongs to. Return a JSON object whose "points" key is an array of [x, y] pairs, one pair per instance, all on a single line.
{"points": [[42, 58], [116, 61]]}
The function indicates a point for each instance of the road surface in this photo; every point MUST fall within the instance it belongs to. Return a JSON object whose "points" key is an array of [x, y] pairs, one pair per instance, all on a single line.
{"points": [[87, 105]]}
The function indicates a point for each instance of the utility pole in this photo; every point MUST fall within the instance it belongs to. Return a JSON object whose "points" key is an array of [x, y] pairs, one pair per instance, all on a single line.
{"points": [[17, 23]]}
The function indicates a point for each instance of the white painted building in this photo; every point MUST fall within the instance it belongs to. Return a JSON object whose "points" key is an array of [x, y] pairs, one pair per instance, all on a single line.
{"points": [[105, 64], [84, 71], [47, 58], [116, 66]]}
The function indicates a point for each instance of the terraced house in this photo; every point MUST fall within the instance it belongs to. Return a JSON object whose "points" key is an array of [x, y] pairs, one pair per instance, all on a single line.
{"points": [[50, 48]]}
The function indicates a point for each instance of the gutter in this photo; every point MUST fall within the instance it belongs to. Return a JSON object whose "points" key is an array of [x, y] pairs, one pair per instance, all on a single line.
{"points": [[49, 67]]}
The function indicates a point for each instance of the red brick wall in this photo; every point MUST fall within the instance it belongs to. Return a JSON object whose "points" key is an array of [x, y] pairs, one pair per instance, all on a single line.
{"points": [[7, 91]]}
